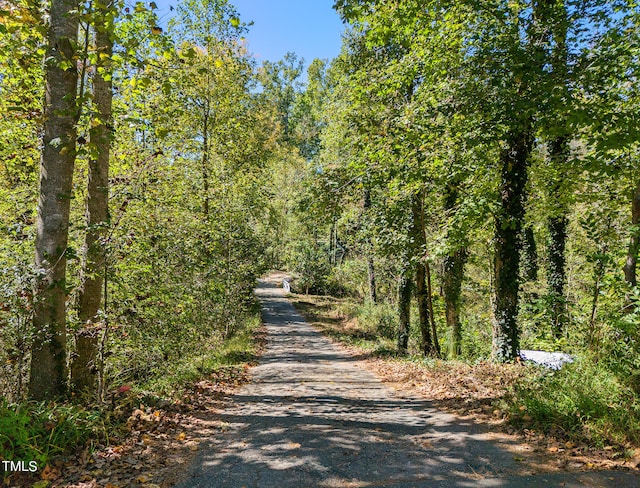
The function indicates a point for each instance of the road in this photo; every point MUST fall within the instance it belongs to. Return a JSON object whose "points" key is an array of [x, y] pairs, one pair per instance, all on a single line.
{"points": [[312, 416]]}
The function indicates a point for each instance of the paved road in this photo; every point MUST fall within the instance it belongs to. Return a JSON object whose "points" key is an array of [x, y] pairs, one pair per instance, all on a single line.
{"points": [[312, 418]]}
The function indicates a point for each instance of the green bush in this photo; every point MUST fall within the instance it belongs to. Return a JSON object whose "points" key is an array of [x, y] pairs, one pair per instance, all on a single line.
{"points": [[37, 431], [311, 264], [379, 318]]}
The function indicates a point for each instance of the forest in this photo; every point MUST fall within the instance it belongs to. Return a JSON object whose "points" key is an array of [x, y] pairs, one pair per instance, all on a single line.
{"points": [[462, 182]]}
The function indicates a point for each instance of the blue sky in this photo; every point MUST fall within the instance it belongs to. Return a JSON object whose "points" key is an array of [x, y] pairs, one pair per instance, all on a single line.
{"points": [[310, 28]]}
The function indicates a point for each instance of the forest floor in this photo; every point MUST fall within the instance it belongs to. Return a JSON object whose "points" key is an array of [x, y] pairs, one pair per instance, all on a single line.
{"points": [[314, 413]]}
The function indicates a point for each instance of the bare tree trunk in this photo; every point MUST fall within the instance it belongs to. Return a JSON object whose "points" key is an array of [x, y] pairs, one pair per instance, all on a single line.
{"points": [[404, 308], [48, 375], [371, 274], [508, 228], [84, 367], [634, 243]]}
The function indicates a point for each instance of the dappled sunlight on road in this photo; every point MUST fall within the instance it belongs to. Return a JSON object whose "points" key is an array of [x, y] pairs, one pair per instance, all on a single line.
{"points": [[312, 417]]}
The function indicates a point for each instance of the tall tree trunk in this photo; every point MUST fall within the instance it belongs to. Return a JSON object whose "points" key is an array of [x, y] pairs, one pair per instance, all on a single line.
{"points": [[426, 343], [422, 297], [205, 161], [432, 316], [556, 273], [48, 374], [634, 243], [508, 228], [373, 293], [404, 307], [530, 255], [453, 274], [553, 15], [452, 287], [84, 367], [557, 227]]}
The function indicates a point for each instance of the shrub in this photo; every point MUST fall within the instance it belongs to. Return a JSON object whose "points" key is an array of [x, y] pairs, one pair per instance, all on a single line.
{"points": [[584, 399]]}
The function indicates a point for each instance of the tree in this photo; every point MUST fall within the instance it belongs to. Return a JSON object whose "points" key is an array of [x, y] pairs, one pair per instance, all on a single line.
{"points": [[84, 367], [48, 376]]}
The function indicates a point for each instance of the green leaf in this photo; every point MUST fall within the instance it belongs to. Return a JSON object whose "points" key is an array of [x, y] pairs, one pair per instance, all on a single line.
{"points": [[234, 21]]}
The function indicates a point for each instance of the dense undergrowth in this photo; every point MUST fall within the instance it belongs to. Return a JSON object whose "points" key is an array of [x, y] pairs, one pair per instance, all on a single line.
{"points": [[46, 432]]}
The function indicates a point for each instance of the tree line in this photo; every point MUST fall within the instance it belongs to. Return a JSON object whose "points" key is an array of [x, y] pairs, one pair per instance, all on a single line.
{"points": [[478, 156], [482, 157], [134, 165]]}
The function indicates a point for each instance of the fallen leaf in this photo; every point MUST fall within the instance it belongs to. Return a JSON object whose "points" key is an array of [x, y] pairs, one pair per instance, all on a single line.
{"points": [[294, 445], [49, 473]]}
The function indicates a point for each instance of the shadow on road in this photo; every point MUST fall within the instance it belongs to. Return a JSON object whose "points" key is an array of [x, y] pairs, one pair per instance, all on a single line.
{"points": [[312, 418]]}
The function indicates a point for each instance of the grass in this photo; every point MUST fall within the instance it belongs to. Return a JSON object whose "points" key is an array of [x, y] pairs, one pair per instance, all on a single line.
{"points": [[40, 431], [345, 321], [242, 348]]}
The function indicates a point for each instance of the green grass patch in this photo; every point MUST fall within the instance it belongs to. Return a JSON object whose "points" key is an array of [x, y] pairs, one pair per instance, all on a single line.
{"points": [[40, 431], [367, 327]]}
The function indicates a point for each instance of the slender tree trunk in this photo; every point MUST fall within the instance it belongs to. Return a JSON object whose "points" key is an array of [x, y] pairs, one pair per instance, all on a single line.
{"points": [[404, 308], [452, 287], [423, 310], [371, 274], [530, 255], [422, 297], [557, 227], [48, 375], [453, 274], [634, 243], [84, 367], [332, 251], [205, 161], [508, 228], [373, 293], [556, 274], [432, 316]]}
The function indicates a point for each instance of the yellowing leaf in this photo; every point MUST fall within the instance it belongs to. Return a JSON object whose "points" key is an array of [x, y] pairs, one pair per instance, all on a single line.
{"points": [[234, 21]]}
